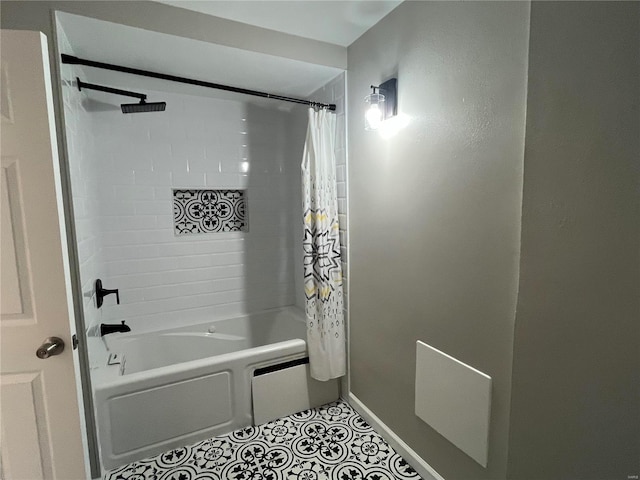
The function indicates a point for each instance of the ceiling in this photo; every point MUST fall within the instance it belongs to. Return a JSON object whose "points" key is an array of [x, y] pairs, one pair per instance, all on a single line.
{"points": [[337, 22], [123, 45]]}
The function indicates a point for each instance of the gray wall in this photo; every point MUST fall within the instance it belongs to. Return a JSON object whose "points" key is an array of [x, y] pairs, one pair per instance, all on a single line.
{"points": [[576, 375], [435, 211]]}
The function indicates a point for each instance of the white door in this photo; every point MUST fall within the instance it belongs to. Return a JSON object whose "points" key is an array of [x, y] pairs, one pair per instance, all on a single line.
{"points": [[39, 413]]}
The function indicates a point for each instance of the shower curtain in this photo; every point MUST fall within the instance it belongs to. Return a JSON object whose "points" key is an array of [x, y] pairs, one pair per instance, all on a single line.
{"points": [[322, 268]]}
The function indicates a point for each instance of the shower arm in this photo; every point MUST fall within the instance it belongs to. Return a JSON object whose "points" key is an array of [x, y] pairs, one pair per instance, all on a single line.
{"points": [[101, 88]]}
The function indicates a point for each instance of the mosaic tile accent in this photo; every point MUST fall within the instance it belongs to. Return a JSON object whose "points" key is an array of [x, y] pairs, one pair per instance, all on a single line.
{"points": [[209, 211], [331, 442]]}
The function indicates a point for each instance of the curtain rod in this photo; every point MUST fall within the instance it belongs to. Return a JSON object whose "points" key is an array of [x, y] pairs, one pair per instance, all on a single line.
{"points": [[190, 81]]}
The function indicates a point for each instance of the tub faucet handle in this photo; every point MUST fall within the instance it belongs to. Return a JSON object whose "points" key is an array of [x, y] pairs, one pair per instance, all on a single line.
{"points": [[103, 292]]}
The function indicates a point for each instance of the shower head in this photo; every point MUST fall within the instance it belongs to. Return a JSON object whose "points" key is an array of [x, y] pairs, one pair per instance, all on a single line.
{"points": [[143, 107]]}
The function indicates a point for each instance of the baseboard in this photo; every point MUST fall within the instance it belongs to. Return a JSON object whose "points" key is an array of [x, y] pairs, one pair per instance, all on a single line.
{"points": [[425, 470]]}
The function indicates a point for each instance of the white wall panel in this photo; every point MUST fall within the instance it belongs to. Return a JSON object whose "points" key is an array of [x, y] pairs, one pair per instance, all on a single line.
{"points": [[455, 400]]}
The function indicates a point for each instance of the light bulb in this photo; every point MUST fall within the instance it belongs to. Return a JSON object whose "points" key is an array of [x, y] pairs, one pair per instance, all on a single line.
{"points": [[373, 117], [374, 114]]}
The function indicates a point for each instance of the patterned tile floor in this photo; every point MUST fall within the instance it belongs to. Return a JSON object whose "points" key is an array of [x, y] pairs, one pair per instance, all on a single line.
{"points": [[331, 442]]}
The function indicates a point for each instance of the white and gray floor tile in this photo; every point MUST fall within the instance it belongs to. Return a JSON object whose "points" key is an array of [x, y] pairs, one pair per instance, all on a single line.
{"points": [[331, 442]]}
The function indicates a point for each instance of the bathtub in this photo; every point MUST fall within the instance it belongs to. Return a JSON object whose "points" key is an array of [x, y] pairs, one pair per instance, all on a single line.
{"points": [[166, 389]]}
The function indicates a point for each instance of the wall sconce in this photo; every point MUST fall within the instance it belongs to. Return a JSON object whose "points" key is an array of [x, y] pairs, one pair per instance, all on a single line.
{"points": [[381, 105]]}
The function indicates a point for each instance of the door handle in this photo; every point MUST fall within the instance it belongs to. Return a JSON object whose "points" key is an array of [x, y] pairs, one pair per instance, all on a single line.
{"points": [[51, 346]]}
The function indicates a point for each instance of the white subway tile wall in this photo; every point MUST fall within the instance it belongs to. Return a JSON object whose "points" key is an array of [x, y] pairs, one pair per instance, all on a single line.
{"points": [[123, 170], [122, 190]]}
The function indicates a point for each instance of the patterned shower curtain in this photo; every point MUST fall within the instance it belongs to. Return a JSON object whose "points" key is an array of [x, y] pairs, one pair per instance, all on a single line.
{"points": [[322, 268]]}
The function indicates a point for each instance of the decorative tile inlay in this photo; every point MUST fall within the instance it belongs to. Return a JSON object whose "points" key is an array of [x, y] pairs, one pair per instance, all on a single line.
{"points": [[209, 211], [331, 442]]}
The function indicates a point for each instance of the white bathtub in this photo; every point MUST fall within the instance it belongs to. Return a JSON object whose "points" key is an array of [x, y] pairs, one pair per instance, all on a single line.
{"points": [[179, 386]]}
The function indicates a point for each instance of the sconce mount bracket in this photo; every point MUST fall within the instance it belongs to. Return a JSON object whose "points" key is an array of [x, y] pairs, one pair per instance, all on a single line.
{"points": [[390, 91]]}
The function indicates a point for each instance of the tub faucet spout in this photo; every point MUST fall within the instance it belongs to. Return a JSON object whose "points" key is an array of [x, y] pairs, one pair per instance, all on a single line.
{"points": [[107, 328]]}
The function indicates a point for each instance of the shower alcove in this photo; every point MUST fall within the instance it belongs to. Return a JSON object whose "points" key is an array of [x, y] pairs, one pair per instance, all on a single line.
{"points": [[173, 270]]}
